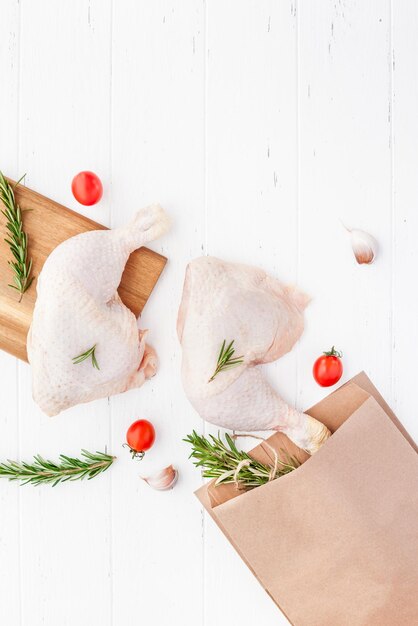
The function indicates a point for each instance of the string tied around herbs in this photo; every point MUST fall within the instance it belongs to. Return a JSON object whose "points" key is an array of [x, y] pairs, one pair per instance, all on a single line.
{"points": [[246, 462], [241, 464]]}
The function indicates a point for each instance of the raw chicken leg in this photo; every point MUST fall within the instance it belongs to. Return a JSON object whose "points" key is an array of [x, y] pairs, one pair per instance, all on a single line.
{"points": [[227, 301], [78, 307]]}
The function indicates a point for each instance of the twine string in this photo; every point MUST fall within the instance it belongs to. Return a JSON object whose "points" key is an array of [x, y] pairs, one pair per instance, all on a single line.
{"points": [[246, 462], [241, 464]]}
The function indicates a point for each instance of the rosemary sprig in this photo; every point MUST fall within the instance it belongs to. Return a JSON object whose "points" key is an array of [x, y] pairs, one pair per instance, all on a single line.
{"points": [[220, 459], [68, 468], [17, 239], [85, 355], [226, 360]]}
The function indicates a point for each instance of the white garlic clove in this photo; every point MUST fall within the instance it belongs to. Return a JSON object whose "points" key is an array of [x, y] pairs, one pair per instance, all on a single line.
{"points": [[364, 246], [164, 479]]}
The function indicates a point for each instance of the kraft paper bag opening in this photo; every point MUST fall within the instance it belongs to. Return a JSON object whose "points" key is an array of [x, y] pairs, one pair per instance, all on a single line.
{"points": [[335, 542]]}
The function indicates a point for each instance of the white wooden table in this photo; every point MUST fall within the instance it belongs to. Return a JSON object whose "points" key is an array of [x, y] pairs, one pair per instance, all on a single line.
{"points": [[259, 125]]}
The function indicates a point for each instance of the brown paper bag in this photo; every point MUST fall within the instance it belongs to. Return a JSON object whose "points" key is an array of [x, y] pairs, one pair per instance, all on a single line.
{"points": [[335, 542]]}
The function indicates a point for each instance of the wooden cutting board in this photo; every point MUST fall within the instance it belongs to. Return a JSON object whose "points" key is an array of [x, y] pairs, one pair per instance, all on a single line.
{"points": [[47, 225]]}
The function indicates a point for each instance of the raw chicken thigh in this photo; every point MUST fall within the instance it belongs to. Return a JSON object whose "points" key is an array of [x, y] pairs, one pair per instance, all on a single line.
{"points": [[78, 307], [228, 301]]}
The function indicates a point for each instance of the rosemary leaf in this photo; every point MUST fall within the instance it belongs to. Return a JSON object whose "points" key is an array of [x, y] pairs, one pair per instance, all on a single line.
{"points": [[85, 355], [17, 239], [225, 360], [42, 470]]}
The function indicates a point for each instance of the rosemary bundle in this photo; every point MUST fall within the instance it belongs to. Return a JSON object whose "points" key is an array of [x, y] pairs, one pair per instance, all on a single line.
{"points": [[68, 468], [222, 460], [17, 239]]}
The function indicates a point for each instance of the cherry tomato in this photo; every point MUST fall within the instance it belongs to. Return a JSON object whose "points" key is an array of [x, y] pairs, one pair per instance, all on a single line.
{"points": [[328, 369], [87, 188], [140, 437]]}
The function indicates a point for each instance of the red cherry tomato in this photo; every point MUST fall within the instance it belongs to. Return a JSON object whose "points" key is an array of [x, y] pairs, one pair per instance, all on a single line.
{"points": [[140, 437], [328, 369], [87, 188]]}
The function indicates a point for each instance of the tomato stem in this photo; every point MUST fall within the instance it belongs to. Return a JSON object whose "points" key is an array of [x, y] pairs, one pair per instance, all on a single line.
{"points": [[334, 352], [136, 454]]}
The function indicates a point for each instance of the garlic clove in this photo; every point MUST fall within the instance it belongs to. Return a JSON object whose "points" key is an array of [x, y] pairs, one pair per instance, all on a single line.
{"points": [[364, 246], [164, 479]]}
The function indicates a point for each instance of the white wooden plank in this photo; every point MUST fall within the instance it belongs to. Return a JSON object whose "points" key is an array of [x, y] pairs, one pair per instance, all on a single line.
{"points": [[10, 555], [157, 135], [405, 89], [251, 213], [64, 128], [345, 174], [9, 54], [10, 590]]}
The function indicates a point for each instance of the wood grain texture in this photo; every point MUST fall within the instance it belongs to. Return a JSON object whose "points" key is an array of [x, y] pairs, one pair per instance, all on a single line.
{"points": [[48, 224], [258, 125]]}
